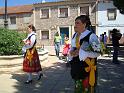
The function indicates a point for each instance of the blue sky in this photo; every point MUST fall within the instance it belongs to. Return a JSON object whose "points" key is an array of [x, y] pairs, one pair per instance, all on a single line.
{"points": [[21, 2]]}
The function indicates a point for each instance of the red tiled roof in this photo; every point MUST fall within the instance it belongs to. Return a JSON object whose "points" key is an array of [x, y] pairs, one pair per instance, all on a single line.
{"points": [[17, 9], [67, 2]]}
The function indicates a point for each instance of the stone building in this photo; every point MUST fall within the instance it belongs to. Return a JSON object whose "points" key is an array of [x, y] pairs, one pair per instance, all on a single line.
{"points": [[18, 17], [49, 18], [52, 17]]}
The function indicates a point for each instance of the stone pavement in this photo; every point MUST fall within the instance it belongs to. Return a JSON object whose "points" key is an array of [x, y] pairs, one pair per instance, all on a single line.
{"points": [[57, 78], [110, 76]]}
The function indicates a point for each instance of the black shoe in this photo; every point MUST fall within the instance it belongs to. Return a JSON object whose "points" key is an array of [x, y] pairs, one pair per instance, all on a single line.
{"points": [[28, 81], [67, 64], [40, 76], [116, 62]]}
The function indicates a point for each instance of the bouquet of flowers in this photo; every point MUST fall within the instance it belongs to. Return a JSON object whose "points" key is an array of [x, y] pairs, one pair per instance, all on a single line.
{"points": [[94, 47]]}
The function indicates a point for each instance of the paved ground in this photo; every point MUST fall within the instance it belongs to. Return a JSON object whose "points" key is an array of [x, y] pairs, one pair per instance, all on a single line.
{"points": [[110, 76], [57, 77]]}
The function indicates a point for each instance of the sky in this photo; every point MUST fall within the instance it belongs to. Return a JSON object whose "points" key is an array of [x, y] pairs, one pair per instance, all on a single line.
{"points": [[21, 2]]}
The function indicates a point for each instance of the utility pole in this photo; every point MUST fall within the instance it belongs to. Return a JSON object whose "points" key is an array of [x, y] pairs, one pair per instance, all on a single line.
{"points": [[5, 16]]}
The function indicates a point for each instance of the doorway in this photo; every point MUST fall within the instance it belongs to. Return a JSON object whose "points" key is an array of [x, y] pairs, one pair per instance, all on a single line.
{"points": [[64, 31]]}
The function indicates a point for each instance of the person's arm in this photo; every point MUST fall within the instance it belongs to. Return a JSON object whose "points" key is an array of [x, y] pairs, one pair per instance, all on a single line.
{"points": [[94, 38], [60, 38], [92, 54]]}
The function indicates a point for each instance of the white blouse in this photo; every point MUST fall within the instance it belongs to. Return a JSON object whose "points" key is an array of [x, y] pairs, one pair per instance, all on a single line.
{"points": [[82, 53], [32, 41]]}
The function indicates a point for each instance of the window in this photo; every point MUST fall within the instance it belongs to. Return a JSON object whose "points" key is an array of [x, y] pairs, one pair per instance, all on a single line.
{"points": [[13, 20], [44, 13], [1, 20], [45, 34], [63, 12], [27, 18], [111, 13], [84, 10], [109, 36]]}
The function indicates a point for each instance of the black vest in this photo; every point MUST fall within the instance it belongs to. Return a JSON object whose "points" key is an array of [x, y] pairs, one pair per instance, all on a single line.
{"points": [[86, 39], [34, 42]]}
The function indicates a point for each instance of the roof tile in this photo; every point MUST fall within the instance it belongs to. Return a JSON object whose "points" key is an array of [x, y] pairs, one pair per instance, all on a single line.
{"points": [[17, 9]]}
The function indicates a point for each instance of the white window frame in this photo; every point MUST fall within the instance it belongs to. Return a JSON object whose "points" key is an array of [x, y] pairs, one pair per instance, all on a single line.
{"points": [[108, 14], [2, 20], [15, 20], [49, 12], [45, 30], [63, 7], [85, 5]]}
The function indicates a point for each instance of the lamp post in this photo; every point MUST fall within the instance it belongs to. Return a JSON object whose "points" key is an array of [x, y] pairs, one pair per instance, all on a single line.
{"points": [[5, 16]]}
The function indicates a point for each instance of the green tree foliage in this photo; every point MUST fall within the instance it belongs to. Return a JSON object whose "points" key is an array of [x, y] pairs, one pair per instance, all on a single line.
{"points": [[120, 5], [10, 42]]}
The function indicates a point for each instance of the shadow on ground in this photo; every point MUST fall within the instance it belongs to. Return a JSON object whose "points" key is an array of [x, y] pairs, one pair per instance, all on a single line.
{"points": [[110, 77], [56, 79], [120, 54]]}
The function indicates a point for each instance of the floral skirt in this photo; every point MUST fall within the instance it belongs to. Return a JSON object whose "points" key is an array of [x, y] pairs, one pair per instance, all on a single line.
{"points": [[82, 86], [32, 64]]}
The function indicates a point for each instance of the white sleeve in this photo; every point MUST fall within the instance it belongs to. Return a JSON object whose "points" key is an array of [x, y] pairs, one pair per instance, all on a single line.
{"points": [[32, 39], [84, 54], [93, 38]]}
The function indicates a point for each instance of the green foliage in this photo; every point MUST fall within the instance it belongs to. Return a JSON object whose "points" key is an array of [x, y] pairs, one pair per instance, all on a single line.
{"points": [[120, 5], [10, 42]]}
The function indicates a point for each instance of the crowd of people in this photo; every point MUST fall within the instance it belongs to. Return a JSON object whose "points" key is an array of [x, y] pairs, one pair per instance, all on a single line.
{"points": [[104, 38], [115, 36], [82, 54]]}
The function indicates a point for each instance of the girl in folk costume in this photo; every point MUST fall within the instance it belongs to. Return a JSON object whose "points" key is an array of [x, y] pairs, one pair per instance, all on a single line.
{"points": [[85, 48], [66, 46], [31, 62]]}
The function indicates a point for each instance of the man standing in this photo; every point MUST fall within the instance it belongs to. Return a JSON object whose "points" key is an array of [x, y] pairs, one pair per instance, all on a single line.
{"points": [[57, 41], [105, 39], [116, 35]]}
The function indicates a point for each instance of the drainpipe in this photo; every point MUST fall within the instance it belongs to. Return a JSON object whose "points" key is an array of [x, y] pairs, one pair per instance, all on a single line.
{"points": [[96, 18], [94, 5], [34, 16]]}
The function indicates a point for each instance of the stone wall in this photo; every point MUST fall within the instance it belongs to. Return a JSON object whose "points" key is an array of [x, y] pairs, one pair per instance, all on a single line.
{"points": [[54, 22]]}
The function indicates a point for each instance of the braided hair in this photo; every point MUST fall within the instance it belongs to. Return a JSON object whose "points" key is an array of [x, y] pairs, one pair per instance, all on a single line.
{"points": [[85, 19]]}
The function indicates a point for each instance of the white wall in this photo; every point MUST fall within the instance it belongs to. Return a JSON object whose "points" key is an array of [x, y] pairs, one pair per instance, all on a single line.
{"points": [[104, 24]]}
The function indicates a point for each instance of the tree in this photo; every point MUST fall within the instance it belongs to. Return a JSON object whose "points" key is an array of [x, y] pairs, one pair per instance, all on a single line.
{"points": [[10, 42], [120, 5]]}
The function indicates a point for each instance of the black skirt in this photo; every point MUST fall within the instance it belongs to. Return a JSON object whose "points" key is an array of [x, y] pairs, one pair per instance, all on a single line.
{"points": [[78, 69]]}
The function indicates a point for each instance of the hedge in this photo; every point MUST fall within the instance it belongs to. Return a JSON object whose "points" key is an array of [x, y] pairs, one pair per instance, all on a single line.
{"points": [[10, 42]]}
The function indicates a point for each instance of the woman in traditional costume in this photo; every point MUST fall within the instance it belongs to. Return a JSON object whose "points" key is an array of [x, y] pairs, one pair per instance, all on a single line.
{"points": [[31, 62], [85, 48]]}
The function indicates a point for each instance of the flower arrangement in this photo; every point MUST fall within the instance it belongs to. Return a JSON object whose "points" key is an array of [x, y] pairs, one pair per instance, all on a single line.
{"points": [[95, 47]]}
